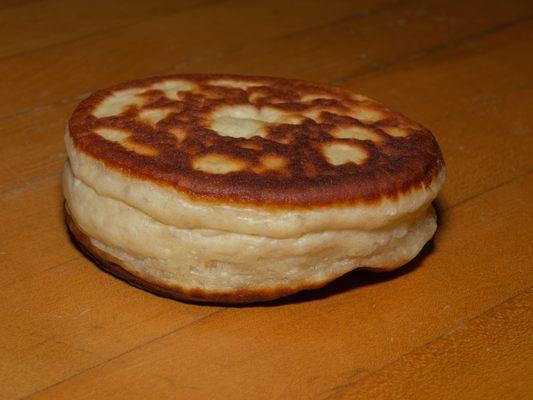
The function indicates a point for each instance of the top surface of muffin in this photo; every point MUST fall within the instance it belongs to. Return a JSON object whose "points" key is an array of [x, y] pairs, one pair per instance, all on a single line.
{"points": [[256, 140]]}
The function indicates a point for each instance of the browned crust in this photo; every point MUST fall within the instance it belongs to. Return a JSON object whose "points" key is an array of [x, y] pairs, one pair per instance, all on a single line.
{"points": [[114, 266], [394, 165]]}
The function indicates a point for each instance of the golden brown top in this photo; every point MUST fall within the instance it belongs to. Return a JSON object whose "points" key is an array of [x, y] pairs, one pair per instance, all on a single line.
{"points": [[256, 140]]}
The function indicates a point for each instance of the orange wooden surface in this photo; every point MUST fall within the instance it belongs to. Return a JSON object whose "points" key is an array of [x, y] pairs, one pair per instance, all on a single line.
{"points": [[455, 323]]}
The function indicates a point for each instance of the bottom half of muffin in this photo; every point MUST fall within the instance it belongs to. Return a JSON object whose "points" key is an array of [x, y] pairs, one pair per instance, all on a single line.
{"points": [[222, 266]]}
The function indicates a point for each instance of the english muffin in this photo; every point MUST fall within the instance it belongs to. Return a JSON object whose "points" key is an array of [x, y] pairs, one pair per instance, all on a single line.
{"points": [[226, 188]]}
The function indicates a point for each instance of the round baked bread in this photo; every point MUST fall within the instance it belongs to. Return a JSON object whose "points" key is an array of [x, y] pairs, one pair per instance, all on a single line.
{"points": [[226, 188]]}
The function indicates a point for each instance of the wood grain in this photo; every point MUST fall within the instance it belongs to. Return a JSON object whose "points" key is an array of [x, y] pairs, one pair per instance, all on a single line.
{"points": [[455, 323], [34, 25], [465, 362]]}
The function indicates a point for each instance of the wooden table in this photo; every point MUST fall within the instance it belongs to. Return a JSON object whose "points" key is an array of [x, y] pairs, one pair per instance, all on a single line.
{"points": [[456, 323]]}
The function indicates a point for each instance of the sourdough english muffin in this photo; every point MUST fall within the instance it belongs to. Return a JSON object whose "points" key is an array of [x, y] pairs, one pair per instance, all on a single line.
{"points": [[227, 188]]}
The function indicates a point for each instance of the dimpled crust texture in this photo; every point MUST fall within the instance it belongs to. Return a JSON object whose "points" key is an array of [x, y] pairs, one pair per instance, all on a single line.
{"points": [[236, 189]]}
